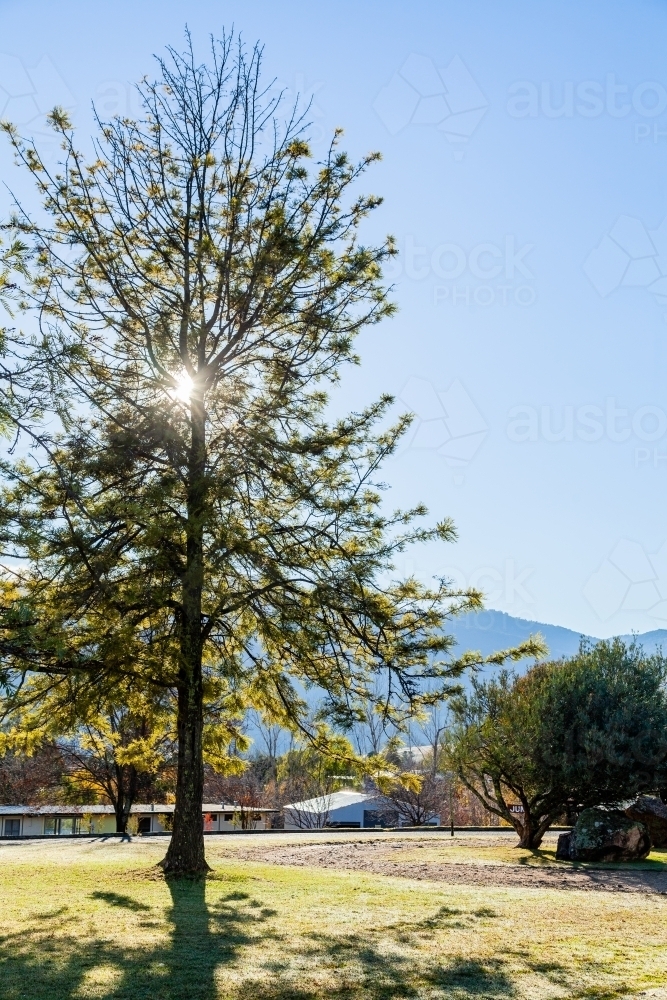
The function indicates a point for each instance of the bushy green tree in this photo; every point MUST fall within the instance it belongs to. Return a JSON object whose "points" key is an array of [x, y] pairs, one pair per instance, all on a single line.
{"points": [[589, 730]]}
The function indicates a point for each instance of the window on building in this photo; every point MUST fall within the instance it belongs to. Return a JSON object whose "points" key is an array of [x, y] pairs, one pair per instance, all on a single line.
{"points": [[12, 828], [228, 817], [144, 825], [210, 821], [62, 826]]}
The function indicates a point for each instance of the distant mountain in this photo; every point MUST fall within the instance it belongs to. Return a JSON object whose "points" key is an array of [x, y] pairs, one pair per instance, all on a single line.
{"points": [[651, 641], [489, 631]]}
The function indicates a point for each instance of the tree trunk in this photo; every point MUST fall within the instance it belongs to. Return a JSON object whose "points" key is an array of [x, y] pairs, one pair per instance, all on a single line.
{"points": [[125, 797], [529, 841], [531, 834], [185, 855]]}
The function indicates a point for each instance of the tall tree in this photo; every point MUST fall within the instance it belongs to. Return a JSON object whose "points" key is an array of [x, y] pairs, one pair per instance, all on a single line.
{"points": [[199, 285]]}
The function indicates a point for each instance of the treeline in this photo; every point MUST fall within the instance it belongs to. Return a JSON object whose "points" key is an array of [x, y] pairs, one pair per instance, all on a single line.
{"points": [[528, 751]]}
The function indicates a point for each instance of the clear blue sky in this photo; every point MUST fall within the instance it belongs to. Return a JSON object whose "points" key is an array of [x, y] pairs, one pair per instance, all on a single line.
{"points": [[525, 179]]}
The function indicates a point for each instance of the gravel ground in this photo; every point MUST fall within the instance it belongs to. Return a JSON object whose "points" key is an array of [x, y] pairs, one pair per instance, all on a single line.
{"points": [[372, 857]]}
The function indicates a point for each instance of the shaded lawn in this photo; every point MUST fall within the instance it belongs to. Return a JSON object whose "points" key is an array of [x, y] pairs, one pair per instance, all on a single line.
{"points": [[89, 920]]}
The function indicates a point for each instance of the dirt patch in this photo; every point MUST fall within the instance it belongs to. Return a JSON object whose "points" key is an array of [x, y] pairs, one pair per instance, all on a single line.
{"points": [[372, 858]]}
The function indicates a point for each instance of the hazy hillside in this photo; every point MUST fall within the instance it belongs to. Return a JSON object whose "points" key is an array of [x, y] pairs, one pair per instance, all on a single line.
{"points": [[488, 631], [651, 640], [492, 630]]}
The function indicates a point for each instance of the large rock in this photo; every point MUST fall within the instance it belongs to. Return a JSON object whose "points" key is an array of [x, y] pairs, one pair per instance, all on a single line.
{"points": [[564, 846], [605, 835], [653, 814]]}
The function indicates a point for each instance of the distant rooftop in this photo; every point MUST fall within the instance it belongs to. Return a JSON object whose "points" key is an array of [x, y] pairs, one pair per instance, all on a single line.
{"points": [[326, 803], [96, 810]]}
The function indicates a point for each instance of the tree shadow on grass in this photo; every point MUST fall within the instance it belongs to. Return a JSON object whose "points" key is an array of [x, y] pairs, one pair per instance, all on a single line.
{"points": [[369, 970], [538, 857], [203, 938], [371, 966], [124, 902], [223, 945]]}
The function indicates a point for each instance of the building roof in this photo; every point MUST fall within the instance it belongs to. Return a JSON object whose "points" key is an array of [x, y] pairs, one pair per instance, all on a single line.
{"points": [[97, 810], [327, 803]]}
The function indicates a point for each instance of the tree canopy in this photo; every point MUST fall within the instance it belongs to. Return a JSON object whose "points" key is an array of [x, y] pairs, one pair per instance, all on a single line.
{"points": [[189, 520], [589, 730]]}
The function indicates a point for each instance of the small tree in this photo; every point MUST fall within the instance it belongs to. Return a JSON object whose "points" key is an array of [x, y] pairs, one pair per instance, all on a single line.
{"points": [[109, 749], [434, 727], [418, 802], [590, 730], [304, 772], [244, 791], [410, 781], [120, 756]]}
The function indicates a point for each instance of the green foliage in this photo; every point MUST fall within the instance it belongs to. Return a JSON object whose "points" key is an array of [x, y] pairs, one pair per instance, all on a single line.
{"points": [[79, 793], [190, 520], [13, 262], [586, 731], [604, 722], [306, 772]]}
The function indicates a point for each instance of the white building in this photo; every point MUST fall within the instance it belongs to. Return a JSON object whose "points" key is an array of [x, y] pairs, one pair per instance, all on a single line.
{"points": [[54, 821], [340, 809]]}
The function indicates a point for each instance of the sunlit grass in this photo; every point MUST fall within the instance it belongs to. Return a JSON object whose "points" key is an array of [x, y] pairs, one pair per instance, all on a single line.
{"points": [[490, 852], [90, 919]]}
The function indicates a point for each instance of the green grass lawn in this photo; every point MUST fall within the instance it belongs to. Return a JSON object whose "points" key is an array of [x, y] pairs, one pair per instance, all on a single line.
{"points": [[90, 919], [478, 852]]}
